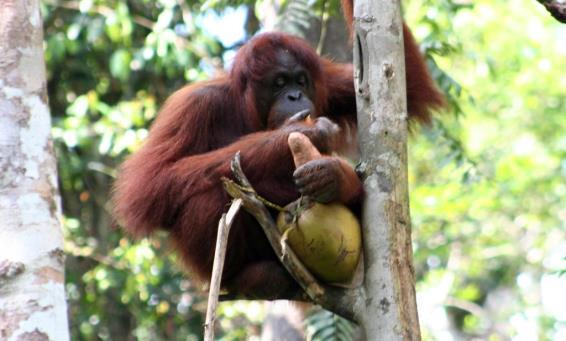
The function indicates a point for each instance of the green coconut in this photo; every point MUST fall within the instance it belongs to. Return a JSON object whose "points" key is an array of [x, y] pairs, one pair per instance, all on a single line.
{"points": [[325, 237]]}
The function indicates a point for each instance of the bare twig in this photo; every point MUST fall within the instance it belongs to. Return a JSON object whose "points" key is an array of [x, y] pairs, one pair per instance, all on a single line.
{"points": [[219, 256], [471, 307], [323, 27], [73, 250], [556, 8], [187, 16]]}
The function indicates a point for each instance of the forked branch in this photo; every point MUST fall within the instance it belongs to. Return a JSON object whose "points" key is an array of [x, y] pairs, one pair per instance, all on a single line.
{"points": [[340, 301]]}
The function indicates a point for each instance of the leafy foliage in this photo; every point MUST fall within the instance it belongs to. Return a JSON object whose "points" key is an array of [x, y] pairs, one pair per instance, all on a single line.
{"points": [[487, 183], [486, 187], [323, 325]]}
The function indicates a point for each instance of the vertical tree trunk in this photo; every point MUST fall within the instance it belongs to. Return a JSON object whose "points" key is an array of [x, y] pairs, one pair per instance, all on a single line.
{"points": [[284, 321], [32, 298], [390, 311]]}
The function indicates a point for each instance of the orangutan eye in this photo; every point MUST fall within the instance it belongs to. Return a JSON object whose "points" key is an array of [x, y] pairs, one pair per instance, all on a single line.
{"points": [[302, 80], [279, 82]]}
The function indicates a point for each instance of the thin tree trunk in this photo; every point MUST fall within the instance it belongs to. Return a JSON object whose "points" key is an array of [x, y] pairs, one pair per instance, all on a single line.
{"points": [[390, 311], [32, 298]]}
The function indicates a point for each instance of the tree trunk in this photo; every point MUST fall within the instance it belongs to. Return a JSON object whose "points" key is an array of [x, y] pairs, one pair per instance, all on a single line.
{"points": [[32, 297], [390, 311], [284, 321]]}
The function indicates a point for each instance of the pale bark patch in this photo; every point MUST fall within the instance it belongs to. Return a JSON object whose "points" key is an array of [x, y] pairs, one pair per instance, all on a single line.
{"points": [[32, 297], [48, 274]]}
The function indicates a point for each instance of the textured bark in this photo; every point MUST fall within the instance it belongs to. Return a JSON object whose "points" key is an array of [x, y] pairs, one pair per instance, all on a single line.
{"points": [[556, 8], [284, 321], [389, 311], [32, 298]]}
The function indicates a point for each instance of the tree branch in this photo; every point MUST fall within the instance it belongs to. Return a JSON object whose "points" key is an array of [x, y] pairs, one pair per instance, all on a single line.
{"points": [[556, 8], [343, 302], [390, 309], [224, 226]]}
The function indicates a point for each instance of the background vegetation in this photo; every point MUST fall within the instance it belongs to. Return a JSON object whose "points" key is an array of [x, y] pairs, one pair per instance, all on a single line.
{"points": [[488, 180]]}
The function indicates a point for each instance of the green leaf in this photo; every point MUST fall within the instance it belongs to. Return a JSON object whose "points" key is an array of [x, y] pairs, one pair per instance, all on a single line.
{"points": [[120, 64]]}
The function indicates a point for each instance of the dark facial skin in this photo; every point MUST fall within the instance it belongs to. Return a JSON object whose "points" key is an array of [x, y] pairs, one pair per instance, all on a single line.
{"points": [[285, 98], [286, 89]]}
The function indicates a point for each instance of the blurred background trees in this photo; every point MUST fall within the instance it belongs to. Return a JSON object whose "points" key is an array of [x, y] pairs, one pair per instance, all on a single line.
{"points": [[488, 179]]}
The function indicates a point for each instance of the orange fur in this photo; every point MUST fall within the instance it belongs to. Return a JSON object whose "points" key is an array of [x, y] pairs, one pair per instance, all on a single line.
{"points": [[173, 181]]}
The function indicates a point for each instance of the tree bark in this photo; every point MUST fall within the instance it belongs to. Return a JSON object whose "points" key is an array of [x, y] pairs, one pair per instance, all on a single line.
{"points": [[284, 321], [389, 311], [32, 297], [556, 8]]}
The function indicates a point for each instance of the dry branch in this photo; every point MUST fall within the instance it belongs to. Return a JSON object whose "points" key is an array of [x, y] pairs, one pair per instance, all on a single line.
{"points": [[556, 8], [254, 206], [219, 256], [340, 301]]}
